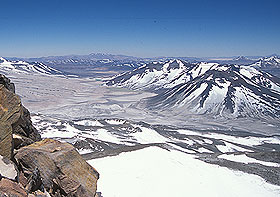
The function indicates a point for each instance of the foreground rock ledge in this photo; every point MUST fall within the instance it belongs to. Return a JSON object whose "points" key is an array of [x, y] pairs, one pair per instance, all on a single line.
{"points": [[62, 169]]}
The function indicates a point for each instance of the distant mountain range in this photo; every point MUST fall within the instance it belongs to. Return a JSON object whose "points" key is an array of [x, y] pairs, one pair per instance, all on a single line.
{"points": [[92, 65], [205, 88], [99, 64]]}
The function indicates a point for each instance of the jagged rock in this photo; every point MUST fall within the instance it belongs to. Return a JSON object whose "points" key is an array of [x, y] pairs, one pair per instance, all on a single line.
{"points": [[14, 118], [34, 182], [10, 110], [24, 127], [20, 141], [22, 179], [7, 83], [6, 140], [63, 171], [11, 189], [7, 169]]}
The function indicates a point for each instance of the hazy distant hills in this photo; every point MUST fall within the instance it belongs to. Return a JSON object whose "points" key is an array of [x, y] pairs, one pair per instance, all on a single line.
{"points": [[92, 65], [102, 65]]}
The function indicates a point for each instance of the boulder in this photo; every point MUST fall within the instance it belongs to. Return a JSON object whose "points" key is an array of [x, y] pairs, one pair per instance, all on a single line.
{"points": [[11, 189], [63, 170]]}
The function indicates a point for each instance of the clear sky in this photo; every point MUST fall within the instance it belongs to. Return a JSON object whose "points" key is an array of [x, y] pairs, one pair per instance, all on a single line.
{"points": [[146, 28]]}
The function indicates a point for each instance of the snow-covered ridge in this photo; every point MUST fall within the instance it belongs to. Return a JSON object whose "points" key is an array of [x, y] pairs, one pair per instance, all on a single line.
{"points": [[157, 75], [7, 66], [163, 75], [268, 62], [222, 90], [227, 91]]}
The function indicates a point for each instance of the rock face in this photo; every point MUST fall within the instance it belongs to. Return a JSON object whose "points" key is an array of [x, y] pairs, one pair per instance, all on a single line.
{"points": [[63, 171], [7, 83], [11, 189], [10, 111], [14, 118]]}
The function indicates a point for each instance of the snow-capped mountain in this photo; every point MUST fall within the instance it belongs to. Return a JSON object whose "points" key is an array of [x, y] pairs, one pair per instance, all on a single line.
{"points": [[205, 88], [240, 60], [162, 75], [223, 90], [268, 62], [156, 75], [7, 66]]}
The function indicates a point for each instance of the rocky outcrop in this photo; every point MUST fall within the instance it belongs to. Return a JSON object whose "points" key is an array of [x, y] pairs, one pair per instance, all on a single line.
{"points": [[7, 83], [10, 111], [23, 127], [62, 169], [14, 119]]}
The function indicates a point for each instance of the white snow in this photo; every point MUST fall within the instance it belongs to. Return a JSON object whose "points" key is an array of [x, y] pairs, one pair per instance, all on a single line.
{"points": [[249, 71], [84, 151], [216, 96], [7, 170], [204, 150], [94, 123], [51, 132], [104, 135], [248, 141], [196, 93], [152, 172], [229, 147], [115, 121], [35, 119], [245, 159], [148, 136]]}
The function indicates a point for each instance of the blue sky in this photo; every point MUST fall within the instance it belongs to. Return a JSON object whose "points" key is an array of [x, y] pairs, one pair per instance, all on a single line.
{"points": [[32, 28]]}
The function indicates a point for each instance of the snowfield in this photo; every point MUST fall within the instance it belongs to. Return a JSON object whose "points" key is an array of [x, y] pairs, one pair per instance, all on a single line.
{"points": [[154, 172]]}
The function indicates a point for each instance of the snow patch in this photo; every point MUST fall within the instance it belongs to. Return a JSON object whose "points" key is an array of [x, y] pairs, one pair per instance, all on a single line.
{"points": [[154, 172], [245, 159]]}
